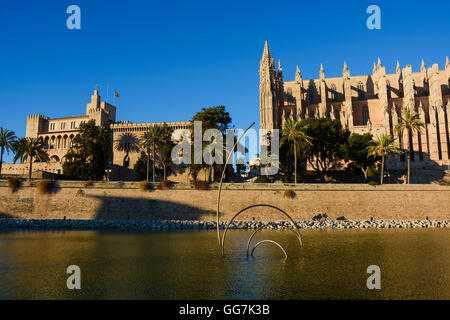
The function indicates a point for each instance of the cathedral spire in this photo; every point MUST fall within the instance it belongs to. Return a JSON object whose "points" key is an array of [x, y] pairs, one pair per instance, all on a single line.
{"points": [[374, 68], [423, 68], [345, 71], [379, 63], [447, 63], [298, 75], [398, 69], [266, 52], [279, 66], [322, 72]]}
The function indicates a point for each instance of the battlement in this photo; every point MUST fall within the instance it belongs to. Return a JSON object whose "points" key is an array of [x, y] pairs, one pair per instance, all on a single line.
{"points": [[129, 124], [37, 116]]}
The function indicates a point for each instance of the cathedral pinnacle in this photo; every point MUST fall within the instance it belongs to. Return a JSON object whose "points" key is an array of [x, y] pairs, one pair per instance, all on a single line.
{"points": [[398, 69], [379, 62], [423, 68], [266, 52], [447, 63], [346, 72], [322, 72], [279, 66], [298, 75]]}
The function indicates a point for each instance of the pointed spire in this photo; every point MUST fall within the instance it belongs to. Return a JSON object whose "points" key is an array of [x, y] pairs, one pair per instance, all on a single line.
{"points": [[447, 63], [398, 69], [279, 66], [346, 72], [298, 75], [322, 72], [379, 62], [374, 68], [266, 52], [423, 68], [96, 90]]}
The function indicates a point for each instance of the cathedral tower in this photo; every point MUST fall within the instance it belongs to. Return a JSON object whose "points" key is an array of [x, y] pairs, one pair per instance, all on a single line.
{"points": [[267, 91]]}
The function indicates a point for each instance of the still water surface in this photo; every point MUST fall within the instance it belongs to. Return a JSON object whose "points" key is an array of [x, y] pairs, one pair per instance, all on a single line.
{"points": [[415, 264]]}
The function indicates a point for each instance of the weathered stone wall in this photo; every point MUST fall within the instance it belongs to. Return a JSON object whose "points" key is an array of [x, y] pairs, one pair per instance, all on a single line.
{"points": [[125, 201]]}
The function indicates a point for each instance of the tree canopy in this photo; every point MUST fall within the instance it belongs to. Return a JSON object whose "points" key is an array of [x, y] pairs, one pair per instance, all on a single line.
{"points": [[86, 158]]}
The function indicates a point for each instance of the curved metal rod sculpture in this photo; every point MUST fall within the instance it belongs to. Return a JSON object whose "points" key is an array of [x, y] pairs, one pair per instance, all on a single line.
{"points": [[253, 206], [221, 180], [259, 229], [270, 241]]}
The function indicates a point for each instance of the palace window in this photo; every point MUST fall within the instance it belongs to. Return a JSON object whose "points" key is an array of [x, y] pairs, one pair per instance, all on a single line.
{"points": [[361, 92], [52, 126], [365, 116], [63, 125], [72, 125]]}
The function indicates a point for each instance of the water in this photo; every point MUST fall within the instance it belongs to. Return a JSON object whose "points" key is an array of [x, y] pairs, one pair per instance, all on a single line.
{"points": [[187, 265]]}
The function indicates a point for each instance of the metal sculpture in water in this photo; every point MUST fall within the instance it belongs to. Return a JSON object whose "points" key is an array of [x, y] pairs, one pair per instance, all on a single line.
{"points": [[221, 241]]}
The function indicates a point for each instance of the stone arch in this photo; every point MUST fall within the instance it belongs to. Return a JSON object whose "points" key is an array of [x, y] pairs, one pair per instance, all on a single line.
{"points": [[54, 158], [289, 96], [365, 116]]}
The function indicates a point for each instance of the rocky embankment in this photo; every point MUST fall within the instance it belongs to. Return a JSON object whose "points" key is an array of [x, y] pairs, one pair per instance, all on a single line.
{"points": [[165, 225]]}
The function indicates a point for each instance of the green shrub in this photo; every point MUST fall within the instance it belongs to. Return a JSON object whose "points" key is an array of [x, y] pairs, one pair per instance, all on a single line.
{"points": [[199, 184], [45, 186], [372, 172], [373, 183], [289, 194], [164, 185], [145, 186], [261, 179], [443, 183], [14, 185]]}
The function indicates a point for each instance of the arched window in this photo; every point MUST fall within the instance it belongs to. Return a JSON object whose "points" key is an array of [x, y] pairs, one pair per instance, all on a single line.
{"points": [[290, 98], [361, 92], [365, 116]]}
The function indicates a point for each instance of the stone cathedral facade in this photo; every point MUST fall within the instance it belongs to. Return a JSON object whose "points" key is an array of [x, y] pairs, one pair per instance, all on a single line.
{"points": [[363, 104]]}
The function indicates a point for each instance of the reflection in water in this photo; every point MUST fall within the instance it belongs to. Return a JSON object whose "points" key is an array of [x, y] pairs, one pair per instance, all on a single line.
{"points": [[187, 265]]}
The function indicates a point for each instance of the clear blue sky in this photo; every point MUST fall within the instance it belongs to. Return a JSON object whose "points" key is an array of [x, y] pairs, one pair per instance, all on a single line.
{"points": [[168, 59]]}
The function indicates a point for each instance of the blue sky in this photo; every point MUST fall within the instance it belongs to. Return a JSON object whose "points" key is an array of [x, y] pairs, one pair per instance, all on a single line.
{"points": [[169, 59]]}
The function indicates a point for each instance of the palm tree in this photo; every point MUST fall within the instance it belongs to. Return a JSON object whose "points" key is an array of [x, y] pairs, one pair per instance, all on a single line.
{"points": [[381, 147], [411, 122], [214, 149], [294, 132], [7, 143], [150, 140], [30, 149], [127, 142]]}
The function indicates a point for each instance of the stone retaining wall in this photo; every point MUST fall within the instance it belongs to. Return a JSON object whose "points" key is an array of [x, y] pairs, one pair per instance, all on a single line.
{"points": [[115, 200]]}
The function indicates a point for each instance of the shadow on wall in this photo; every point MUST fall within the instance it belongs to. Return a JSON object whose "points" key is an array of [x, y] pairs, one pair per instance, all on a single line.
{"points": [[121, 208], [6, 216]]}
